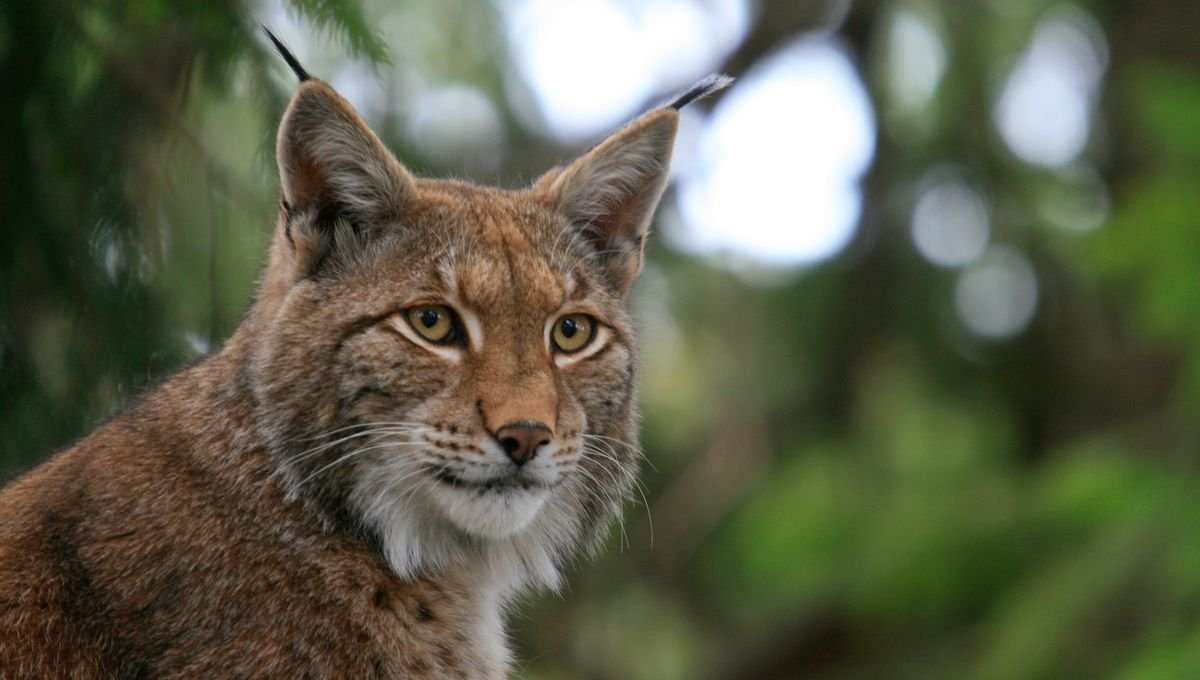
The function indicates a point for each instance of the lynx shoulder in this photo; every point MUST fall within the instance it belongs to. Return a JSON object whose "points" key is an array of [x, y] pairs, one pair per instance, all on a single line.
{"points": [[428, 408]]}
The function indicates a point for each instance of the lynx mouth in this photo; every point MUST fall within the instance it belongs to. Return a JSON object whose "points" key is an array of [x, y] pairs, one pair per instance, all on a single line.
{"points": [[502, 484], [494, 508]]}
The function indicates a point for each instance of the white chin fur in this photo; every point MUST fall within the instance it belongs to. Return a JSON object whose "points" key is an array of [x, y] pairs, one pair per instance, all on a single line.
{"points": [[489, 514], [515, 538]]}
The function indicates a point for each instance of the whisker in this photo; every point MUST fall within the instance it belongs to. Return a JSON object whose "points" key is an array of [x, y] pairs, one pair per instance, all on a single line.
{"points": [[304, 455], [638, 452], [415, 469], [616, 482], [600, 454], [352, 454], [609, 454], [646, 503], [637, 485], [425, 482], [594, 492], [327, 433]]}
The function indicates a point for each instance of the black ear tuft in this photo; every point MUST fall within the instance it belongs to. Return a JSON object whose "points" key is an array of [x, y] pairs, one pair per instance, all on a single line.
{"points": [[703, 88], [287, 56]]}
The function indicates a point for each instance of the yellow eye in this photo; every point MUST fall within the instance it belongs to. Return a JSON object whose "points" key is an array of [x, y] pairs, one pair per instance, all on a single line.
{"points": [[573, 332], [435, 323]]}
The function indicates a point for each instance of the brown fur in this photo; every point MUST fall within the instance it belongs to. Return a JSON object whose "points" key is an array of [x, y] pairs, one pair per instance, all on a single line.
{"points": [[263, 514]]}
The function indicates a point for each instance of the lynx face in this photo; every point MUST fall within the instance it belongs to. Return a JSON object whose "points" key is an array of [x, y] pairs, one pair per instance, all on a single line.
{"points": [[453, 367], [468, 416]]}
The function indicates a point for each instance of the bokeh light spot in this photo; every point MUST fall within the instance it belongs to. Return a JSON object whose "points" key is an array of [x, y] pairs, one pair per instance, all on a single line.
{"points": [[950, 223], [458, 127], [1044, 110], [997, 295], [590, 64], [776, 177], [916, 60]]}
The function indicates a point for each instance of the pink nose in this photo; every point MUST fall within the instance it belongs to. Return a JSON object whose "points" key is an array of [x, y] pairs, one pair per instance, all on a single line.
{"points": [[522, 439]]}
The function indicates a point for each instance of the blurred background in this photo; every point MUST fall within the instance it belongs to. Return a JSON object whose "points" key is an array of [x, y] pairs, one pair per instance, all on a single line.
{"points": [[921, 320]]}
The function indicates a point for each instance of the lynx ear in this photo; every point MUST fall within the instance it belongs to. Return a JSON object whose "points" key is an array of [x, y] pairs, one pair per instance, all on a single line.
{"points": [[332, 164], [339, 181], [610, 193]]}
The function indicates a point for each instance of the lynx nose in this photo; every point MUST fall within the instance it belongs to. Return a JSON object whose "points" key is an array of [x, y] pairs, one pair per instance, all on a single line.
{"points": [[522, 439]]}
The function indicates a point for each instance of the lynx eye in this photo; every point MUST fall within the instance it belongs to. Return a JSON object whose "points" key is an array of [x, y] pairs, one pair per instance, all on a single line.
{"points": [[435, 323], [573, 332]]}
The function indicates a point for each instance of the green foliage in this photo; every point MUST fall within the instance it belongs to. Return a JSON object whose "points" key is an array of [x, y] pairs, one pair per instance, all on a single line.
{"points": [[347, 20], [1153, 245]]}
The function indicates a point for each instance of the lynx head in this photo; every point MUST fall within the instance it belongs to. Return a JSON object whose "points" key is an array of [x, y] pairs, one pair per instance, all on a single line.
{"points": [[450, 368]]}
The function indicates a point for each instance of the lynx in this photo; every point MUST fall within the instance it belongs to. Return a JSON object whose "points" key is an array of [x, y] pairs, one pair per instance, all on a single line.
{"points": [[428, 408]]}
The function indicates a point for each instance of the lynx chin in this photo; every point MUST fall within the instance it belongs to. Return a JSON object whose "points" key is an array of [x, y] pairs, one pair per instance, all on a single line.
{"points": [[428, 408]]}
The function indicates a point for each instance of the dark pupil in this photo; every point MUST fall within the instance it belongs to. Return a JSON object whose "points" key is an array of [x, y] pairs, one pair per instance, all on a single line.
{"points": [[569, 328], [429, 318]]}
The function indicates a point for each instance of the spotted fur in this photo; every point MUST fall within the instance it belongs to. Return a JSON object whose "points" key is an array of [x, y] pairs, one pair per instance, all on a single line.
{"points": [[326, 496]]}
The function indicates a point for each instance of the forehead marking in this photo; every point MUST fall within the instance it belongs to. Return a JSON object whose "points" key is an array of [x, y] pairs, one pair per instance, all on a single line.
{"points": [[445, 272], [506, 267]]}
